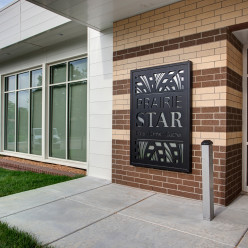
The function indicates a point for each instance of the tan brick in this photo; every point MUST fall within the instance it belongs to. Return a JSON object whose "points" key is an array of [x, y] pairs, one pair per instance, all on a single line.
{"points": [[162, 10], [225, 23], [134, 18], [156, 28], [220, 63], [231, 15], [211, 20], [225, 10], [245, 11], [243, 5], [230, 2], [210, 58], [171, 24], [188, 31], [205, 28], [241, 19], [176, 29], [188, 7], [156, 17], [176, 17], [122, 22], [212, 7], [143, 21], [131, 24], [177, 5], [193, 25], [205, 53], [171, 36], [187, 20], [148, 14], [205, 15], [204, 3], [161, 21], [147, 25], [188, 56], [193, 12], [205, 65], [172, 12]]}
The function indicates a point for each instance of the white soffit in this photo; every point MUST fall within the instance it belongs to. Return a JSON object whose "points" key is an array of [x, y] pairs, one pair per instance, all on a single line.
{"points": [[63, 33], [100, 14], [242, 35]]}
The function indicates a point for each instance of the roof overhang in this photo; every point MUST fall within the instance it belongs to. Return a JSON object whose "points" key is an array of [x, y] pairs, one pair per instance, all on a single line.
{"points": [[100, 14], [63, 33]]}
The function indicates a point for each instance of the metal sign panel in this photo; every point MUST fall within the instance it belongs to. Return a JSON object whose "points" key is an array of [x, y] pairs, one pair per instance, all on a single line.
{"points": [[161, 117]]}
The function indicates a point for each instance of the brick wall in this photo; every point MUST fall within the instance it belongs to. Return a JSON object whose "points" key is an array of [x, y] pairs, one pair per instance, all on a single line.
{"points": [[199, 31]]}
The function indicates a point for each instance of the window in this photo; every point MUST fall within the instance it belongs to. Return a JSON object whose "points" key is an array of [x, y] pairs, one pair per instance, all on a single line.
{"points": [[68, 110], [23, 112]]}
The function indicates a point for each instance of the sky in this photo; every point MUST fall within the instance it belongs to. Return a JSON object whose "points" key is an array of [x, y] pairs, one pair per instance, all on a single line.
{"points": [[4, 3]]}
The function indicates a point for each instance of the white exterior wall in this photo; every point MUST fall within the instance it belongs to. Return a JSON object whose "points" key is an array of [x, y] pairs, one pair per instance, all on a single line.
{"points": [[42, 58], [100, 54], [22, 20], [47, 55]]}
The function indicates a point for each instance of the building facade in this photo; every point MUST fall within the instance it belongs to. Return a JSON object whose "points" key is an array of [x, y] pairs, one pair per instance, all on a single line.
{"points": [[66, 86]]}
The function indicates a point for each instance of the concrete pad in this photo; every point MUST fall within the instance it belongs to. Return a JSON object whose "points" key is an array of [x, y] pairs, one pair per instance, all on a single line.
{"points": [[33, 198], [241, 203], [113, 197], [54, 220], [244, 241], [122, 232], [231, 215], [76, 186], [181, 215], [29, 199]]}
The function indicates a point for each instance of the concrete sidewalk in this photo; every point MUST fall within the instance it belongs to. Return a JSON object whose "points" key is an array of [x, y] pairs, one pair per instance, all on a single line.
{"points": [[90, 212]]}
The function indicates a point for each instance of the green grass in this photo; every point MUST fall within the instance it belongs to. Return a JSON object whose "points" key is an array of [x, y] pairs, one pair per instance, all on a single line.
{"points": [[13, 238], [12, 182]]}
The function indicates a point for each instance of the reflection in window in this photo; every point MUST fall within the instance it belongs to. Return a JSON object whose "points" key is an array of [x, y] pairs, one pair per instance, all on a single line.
{"points": [[58, 124], [36, 121], [36, 78], [10, 83], [22, 121], [58, 73], [77, 121], [10, 122], [23, 80], [68, 111], [78, 69], [23, 110]]}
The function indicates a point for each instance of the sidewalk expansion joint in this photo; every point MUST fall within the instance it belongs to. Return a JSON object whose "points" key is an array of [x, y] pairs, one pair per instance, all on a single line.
{"points": [[241, 238], [114, 213], [174, 229], [59, 199]]}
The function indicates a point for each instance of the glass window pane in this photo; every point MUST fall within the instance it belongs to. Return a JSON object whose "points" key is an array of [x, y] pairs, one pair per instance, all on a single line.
{"points": [[36, 78], [10, 122], [58, 73], [22, 121], [58, 122], [78, 69], [77, 121], [36, 121], [23, 80], [10, 83]]}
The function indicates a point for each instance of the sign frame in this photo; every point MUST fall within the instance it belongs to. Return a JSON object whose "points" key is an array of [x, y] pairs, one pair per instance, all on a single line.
{"points": [[140, 142]]}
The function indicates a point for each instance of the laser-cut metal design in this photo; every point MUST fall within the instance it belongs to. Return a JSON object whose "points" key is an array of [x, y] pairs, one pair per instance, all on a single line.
{"points": [[160, 117]]}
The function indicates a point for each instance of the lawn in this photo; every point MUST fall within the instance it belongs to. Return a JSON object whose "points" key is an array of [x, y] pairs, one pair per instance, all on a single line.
{"points": [[12, 182], [13, 238]]}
